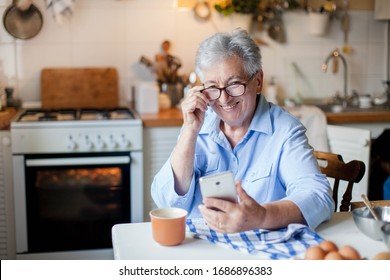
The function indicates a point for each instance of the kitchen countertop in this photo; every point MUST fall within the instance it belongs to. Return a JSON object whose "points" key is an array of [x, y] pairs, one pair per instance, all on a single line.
{"points": [[358, 117], [173, 117], [166, 117], [6, 117]]}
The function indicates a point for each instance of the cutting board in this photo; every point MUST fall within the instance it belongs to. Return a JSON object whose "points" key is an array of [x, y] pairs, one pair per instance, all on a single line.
{"points": [[79, 88]]}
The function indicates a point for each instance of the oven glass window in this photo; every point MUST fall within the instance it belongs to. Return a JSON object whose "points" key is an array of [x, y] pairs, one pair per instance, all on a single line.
{"points": [[74, 208]]}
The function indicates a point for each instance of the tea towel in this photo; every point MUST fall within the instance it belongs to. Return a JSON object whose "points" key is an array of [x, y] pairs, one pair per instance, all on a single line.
{"points": [[287, 243], [314, 119]]}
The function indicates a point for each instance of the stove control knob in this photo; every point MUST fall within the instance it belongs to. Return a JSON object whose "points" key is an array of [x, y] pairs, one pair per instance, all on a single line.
{"points": [[88, 144], [125, 143], [100, 143], [112, 144], [72, 145]]}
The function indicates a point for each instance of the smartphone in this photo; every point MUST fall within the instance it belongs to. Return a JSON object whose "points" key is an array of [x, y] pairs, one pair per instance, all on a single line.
{"points": [[219, 185]]}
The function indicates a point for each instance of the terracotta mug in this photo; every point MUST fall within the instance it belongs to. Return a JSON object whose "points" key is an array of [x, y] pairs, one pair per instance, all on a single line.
{"points": [[168, 225]]}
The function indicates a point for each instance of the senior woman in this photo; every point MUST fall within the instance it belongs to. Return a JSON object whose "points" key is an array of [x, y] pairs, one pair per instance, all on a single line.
{"points": [[229, 125]]}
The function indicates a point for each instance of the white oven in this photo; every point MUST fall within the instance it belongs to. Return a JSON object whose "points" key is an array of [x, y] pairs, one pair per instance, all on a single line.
{"points": [[76, 174]]}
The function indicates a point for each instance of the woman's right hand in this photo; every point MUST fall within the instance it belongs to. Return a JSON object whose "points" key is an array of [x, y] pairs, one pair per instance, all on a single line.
{"points": [[193, 108]]}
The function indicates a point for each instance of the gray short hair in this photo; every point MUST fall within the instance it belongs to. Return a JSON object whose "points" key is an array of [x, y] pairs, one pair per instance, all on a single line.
{"points": [[221, 46]]}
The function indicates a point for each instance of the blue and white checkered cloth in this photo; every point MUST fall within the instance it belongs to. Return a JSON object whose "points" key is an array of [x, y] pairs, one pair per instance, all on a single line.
{"points": [[288, 243]]}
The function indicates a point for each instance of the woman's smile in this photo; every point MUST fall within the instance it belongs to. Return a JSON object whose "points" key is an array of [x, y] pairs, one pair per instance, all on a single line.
{"points": [[229, 107]]}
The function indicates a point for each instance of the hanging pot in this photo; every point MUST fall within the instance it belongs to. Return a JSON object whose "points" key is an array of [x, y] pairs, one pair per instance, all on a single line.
{"points": [[202, 10], [22, 21]]}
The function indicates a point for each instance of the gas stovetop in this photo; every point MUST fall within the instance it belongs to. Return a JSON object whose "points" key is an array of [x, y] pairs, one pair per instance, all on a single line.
{"points": [[76, 130], [47, 115]]}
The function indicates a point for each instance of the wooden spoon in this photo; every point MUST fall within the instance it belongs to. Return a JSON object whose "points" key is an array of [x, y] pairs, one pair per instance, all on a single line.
{"points": [[369, 206]]}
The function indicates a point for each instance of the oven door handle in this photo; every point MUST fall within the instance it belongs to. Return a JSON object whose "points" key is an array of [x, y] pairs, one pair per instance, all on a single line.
{"points": [[78, 161]]}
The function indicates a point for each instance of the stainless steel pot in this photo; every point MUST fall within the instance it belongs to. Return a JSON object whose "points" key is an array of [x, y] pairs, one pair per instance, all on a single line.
{"points": [[21, 20]]}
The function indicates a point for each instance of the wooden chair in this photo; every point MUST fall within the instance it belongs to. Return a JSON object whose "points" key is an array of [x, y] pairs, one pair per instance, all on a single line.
{"points": [[333, 166]]}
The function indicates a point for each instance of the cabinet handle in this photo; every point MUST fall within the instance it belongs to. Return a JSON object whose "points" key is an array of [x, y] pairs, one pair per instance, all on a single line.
{"points": [[78, 161]]}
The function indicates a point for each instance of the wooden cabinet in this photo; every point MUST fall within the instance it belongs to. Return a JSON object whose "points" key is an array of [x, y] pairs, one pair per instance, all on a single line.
{"points": [[158, 145]]}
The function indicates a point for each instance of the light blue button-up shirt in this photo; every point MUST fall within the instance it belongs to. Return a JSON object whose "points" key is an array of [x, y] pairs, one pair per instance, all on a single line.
{"points": [[274, 161]]}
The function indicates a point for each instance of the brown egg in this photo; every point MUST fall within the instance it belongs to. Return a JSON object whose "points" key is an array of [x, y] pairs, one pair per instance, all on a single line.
{"points": [[328, 246], [349, 253], [333, 256], [314, 253], [382, 256]]}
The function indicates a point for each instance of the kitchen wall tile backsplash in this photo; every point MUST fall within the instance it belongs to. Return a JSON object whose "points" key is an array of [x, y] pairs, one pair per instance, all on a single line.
{"points": [[118, 33]]}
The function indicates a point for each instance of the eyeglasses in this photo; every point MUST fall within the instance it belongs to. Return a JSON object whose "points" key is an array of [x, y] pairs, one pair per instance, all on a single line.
{"points": [[233, 90]]}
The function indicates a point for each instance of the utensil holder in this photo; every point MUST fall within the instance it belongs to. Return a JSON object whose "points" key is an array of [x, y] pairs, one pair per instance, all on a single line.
{"points": [[174, 91]]}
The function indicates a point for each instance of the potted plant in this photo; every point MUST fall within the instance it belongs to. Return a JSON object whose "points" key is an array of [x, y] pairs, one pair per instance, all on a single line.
{"points": [[228, 7], [237, 13]]}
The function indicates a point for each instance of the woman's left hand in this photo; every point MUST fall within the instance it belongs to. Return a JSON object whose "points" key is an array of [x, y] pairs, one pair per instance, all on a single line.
{"points": [[227, 217]]}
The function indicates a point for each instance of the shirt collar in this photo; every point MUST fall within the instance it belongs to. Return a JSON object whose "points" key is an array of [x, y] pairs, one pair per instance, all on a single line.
{"points": [[261, 121]]}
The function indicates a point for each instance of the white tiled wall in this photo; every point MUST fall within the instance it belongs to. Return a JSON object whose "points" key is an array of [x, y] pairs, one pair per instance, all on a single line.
{"points": [[117, 33]]}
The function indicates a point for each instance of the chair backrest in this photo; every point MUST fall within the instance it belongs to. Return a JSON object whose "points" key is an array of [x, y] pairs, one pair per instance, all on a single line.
{"points": [[333, 166]]}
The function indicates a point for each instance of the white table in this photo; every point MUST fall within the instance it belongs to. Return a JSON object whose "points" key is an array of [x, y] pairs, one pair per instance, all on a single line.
{"points": [[134, 241], [341, 229]]}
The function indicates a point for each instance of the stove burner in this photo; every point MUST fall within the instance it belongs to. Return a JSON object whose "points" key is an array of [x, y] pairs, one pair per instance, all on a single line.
{"points": [[121, 114], [48, 117], [42, 115], [106, 114]]}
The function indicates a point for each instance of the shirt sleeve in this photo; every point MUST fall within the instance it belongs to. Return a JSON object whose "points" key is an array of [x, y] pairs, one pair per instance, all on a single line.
{"points": [[305, 185], [163, 190]]}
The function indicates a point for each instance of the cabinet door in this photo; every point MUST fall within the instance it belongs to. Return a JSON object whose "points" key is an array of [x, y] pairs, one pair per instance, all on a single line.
{"points": [[351, 144], [158, 145]]}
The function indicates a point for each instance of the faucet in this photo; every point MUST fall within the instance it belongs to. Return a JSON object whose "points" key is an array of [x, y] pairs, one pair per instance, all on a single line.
{"points": [[337, 55]]}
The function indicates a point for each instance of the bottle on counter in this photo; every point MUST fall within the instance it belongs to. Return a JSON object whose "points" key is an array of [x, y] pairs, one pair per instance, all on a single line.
{"points": [[11, 100]]}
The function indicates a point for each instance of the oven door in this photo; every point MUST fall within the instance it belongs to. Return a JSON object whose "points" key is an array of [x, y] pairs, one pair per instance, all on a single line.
{"points": [[72, 201]]}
